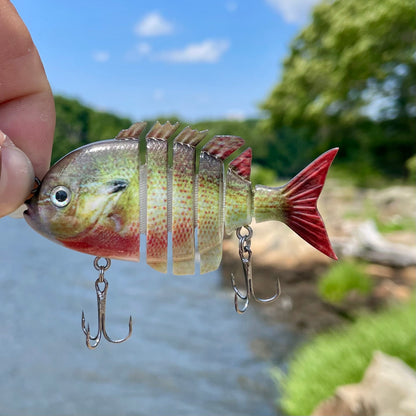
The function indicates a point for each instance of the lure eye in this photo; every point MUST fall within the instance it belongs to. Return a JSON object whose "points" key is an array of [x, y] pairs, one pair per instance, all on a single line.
{"points": [[60, 196]]}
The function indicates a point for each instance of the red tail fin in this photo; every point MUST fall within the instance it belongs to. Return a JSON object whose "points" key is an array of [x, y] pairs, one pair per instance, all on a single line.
{"points": [[301, 195]]}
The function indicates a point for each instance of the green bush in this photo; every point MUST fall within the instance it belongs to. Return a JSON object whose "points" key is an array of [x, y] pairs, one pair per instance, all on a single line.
{"points": [[342, 278], [262, 176], [411, 168], [341, 357]]}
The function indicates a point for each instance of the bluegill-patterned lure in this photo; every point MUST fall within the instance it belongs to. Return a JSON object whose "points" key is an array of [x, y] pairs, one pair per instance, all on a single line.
{"points": [[99, 198], [182, 191]]}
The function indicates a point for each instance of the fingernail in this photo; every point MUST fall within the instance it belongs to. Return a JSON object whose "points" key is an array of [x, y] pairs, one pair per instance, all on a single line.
{"points": [[5, 140], [2, 139], [16, 176]]}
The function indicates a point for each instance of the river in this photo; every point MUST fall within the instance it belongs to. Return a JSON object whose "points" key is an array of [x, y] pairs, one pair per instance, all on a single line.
{"points": [[189, 354]]}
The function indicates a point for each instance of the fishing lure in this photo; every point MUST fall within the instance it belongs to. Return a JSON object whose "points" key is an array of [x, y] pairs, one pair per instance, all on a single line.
{"points": [[181, 191]]}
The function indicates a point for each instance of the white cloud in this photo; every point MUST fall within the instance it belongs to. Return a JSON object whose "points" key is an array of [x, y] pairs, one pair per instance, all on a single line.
{"points": [[143, 48], [208, 51], [158, 95], [101, 56], [293, 11], [231, 6], [235, 114], [153, 24]]}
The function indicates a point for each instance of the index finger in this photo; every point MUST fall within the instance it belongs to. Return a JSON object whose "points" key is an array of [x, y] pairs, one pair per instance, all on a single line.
{"points": [[27, 112]]}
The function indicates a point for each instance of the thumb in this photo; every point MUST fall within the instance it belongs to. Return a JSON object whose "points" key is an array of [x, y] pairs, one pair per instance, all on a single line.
{"points": [[16, 176]]}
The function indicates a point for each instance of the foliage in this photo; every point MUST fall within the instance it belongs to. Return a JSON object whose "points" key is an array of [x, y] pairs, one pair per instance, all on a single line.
{"points": [[342, 278], [284, 152], [350, 81], [396, 223], [262, 176], [77, 125], [411, 168], [341, 357]]}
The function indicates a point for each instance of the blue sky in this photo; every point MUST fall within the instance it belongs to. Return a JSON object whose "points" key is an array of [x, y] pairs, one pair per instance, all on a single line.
{"points": [[143, 59]]}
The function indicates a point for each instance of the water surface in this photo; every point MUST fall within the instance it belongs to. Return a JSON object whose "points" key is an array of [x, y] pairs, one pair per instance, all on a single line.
{"points": [[189, 354]]}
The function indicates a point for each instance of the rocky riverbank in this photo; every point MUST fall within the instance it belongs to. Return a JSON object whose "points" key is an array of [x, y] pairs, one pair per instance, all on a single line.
{"points": [[278, 252]]}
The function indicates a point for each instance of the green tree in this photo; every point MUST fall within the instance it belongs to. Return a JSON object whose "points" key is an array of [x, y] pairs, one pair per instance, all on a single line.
{"points": [[350, 81], [279, 152], [77, 125]]}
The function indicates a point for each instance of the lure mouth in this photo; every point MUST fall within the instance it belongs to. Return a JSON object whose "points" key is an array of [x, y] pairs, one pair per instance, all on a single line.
{"points": [[26, 212], [30, 213], [34, 216], [29, 203], [29, 208]]}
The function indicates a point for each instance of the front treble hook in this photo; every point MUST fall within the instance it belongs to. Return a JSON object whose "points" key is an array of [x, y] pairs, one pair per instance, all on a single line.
{"points": [[245, 256], [92, 342]]}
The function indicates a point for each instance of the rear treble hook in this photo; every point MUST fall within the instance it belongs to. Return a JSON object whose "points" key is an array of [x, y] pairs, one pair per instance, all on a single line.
{"points": [[245, 256], [92, 342]]}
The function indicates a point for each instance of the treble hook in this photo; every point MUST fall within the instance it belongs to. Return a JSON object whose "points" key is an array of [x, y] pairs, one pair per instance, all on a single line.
{"points": [[245, 256], [92, 342]]}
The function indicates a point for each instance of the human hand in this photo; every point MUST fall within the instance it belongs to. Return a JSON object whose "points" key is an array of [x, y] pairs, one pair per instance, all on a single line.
{"points": [[27, 112]]}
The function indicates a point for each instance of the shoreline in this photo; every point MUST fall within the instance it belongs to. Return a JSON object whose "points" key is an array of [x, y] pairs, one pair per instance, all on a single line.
{"points": [[279, 252]]}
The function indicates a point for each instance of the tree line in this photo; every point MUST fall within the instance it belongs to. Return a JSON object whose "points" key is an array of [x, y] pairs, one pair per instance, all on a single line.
{"points": [[285, 150]]}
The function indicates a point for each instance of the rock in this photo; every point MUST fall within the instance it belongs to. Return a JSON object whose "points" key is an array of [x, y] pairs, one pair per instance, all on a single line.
{"points": [[276, 245], [408, 274], [340, 406], [390, 290], [387, 388], [279, 252], [379, 271], [369, 245], [394, 200]]}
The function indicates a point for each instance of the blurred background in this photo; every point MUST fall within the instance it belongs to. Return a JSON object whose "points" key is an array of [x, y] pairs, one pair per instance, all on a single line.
{"points": [[293, 78]]}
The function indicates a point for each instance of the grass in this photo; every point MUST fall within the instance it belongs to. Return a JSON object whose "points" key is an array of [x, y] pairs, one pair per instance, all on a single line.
{"points": [[384, 226], [341, 357], [395, 224], [342, 278]]}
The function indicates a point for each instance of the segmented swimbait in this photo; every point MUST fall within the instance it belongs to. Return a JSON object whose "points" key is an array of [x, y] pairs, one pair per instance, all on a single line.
{"points": [[99, 198]]}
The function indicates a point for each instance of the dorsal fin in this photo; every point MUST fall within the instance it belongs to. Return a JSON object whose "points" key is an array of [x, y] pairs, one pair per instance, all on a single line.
{"points": [[162, 131], [190, 136], [133, 132], [223, 146], [242, 164]]}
